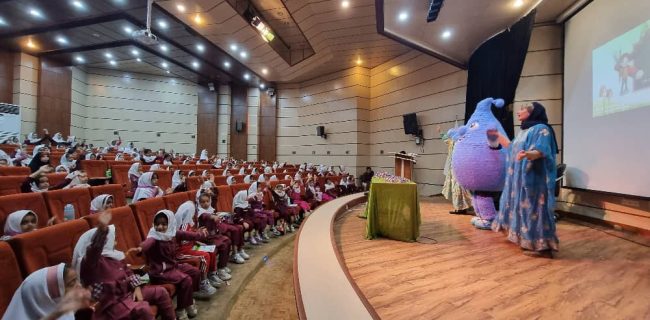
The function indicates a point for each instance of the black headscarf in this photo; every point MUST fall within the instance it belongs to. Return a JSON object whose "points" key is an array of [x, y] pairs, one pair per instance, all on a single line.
{"points": [[36, 162], [538, 116]]}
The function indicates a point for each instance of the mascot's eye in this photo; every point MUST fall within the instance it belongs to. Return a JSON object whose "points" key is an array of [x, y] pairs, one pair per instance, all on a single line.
{"points": [[474, 125]]}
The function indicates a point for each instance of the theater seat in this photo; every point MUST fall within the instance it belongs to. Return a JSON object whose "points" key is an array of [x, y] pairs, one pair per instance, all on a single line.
{"points": [[56, 178], [126, 231], [194, 183], [15, 171], [224, 199], [11, 184], [56, 200], [24, 201], [201, 167], [48, 246], [174, 200], [113, 189], [120, 175], [9, 149], [10, 277], [239, 186], [220, 180], [94, 168], [164, 179], [144, 212], [187, 167]]}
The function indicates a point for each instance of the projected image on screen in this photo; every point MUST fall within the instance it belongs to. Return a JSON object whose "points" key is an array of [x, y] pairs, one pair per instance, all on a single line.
{"points": [[621, 72]]}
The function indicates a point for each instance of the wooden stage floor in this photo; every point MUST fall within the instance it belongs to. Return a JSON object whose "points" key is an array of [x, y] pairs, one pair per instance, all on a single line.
{"points": [[475, 274]]}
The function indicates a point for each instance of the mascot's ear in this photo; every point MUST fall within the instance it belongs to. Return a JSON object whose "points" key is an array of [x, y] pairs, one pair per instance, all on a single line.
{"points": [[499, 103]]}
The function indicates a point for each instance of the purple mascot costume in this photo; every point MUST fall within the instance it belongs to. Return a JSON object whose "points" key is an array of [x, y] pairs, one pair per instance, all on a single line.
{"points": [[478, 163]]}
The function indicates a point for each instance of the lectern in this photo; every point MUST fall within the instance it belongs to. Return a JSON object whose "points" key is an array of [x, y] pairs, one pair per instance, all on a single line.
{"points": [[404, 163]]}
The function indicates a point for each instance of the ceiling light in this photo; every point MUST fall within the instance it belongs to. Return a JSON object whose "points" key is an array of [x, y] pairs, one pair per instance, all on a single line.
{"points": [[262, 86], [162, 24], [345, 4], [265, 71], [243, 54], [198, 19], [31, 44], [195, 64], [128, 30], [247, 76], [135, 52], [108, 55], [80, 59], [3, 22], [163, 47], [112, 62], [164, 65], [518, 3], [35, 13], [359, 62], [233, 47], [78, 4], [226, 64], [446, 34], [403, 16], [138, 60], [264, 30], [61, 40], [180, 7], [200, 47], [167, 71]]}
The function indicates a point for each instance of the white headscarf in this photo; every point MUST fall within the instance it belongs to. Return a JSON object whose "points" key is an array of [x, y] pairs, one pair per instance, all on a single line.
{"points": [[99, 203], [204, 155], [32, 137], [218, 162], [225, 172], [149, 159], [154, 167], [75, 181], [58, 137], [38, 295], [297, 176], [273, 178], [37, 149], [205, 173], [119, 157], [134, 169], [252, 190], [61, 167], [171, 227], [261, 178], [242, 170], [287, 177], [230, 180], [12, 225], [185, 214], [86, 239], [4, 155], [329, 186], [145, 188], [268, 170], [254, 171], [240, 200], [176, 179], [247, 179]]}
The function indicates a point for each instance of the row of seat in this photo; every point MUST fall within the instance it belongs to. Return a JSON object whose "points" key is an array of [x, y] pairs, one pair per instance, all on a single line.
{"points": [[26, 253]]}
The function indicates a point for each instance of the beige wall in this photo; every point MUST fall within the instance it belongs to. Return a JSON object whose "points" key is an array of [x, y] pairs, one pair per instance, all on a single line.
{"points": [[223, 122], [78, 109], [138, 106], [252, 124], [25, 90]]}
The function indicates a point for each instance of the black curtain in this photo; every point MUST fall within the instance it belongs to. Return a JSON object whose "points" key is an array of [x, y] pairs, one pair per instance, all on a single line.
{"points": [[495, 68]]}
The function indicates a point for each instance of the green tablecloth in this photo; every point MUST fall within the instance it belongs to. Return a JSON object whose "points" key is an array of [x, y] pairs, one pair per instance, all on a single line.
{"points": [[393, 211]]}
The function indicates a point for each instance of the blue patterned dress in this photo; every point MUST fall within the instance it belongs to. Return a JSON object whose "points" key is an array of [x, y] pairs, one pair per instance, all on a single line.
{"points": [[528, 199]]}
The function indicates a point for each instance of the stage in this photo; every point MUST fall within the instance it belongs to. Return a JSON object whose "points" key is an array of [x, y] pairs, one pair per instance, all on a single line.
{"points": [[465, 273]]}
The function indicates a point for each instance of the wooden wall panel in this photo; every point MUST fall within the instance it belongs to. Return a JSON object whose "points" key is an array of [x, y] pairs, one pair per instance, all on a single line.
{"points": [[206, 121], [268, 127], [54, 98], [239, 113], [6, 76]]}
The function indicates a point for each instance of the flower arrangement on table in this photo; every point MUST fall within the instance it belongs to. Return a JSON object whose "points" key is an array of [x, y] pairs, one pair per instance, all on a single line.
{"points": [[391, 178]]}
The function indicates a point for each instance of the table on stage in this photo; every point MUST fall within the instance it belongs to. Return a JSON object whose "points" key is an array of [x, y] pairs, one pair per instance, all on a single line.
{"points": [[393, 210]]}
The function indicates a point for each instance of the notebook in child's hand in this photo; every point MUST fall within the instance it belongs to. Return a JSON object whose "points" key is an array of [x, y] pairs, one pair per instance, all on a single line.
{"points": [[205, 248]]}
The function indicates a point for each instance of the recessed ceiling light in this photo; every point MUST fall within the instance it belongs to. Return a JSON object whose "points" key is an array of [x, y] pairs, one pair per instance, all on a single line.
{"points": [[167, 71], [164, 65], [446, 34], [138, 60], [163, 47], [265, 71], [233, 47], [61, 40], [80, 59], [198, 19], [226, 64], [128, 30], [195, 64], [345, 4], [518, 3], [180, 7], [247, 76], [31, 44], [403, 16], [243, 54], [262, 86], [35, 13], [359, 62], [108, 55], [78, 4], [162, 24], [200, 47], [3, 22], [112, 62], [135, 52]]}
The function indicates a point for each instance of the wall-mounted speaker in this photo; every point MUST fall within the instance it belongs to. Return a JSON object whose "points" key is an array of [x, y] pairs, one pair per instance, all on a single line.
{"points": [[320, 131], [239, 126], [411, 124]]}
